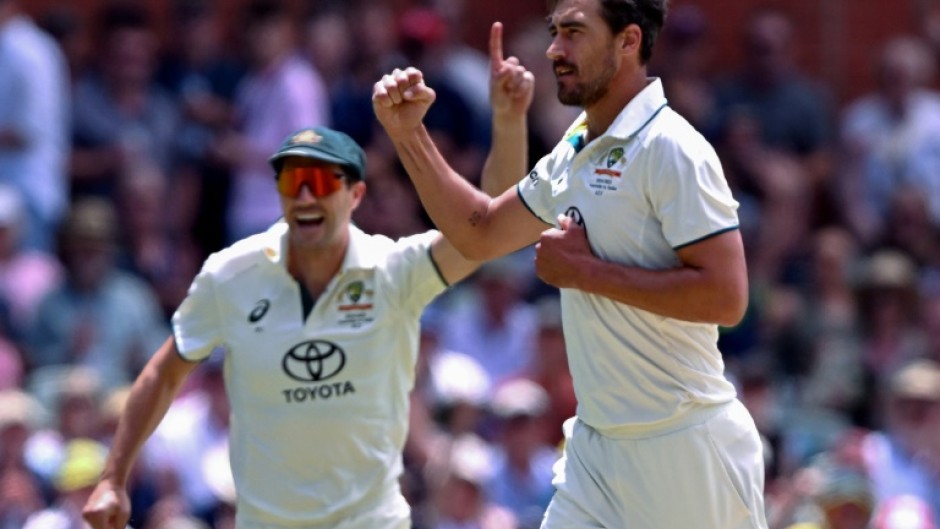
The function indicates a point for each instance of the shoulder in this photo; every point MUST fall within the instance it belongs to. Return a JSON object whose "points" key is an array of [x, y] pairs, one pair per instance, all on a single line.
{"points": [[378, 250], [671, 135], [246, 254]]}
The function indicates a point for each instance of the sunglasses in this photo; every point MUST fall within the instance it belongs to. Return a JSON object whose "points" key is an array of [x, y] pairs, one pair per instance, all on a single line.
{"points": [[321, 181]]}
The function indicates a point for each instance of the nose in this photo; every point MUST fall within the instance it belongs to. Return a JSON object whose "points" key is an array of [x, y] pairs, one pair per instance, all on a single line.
{"points": [[305, 194], [554, 51]]}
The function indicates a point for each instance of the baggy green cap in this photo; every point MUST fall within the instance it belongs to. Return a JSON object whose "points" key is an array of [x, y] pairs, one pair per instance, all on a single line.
{"points": [[322, 143]]}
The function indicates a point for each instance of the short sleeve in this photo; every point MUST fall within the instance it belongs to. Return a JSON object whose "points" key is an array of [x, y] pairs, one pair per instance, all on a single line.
{"points": [[689, 192], [196, 323], [413, 274], [535, 190]]}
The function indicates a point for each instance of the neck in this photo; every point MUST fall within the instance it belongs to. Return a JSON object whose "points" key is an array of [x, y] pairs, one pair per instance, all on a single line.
{"points": [[314, 267], [623, 88]]}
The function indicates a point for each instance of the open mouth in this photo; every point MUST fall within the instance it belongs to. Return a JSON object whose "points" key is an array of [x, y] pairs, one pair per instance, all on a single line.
{"points": [[309, 219], [563, 70]]}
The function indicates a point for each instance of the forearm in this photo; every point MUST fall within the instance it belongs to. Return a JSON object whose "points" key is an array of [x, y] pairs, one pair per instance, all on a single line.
{"points": [[683, 293], [149, 400], [507, 161], [456, 206]]}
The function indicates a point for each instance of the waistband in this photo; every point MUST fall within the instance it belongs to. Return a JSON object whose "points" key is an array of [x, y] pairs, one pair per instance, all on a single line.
{"points": [[681, 421]]}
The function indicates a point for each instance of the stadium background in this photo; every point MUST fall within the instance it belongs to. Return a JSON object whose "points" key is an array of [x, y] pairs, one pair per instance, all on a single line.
{"points": [[837, 37], [836, 45]]}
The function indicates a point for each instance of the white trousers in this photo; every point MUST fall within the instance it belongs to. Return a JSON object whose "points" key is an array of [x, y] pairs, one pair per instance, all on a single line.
{"points": [[708, 475]]}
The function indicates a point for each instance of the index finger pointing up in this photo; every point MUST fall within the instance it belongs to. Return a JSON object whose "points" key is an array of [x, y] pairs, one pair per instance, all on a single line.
{"points": [[496, 46]]}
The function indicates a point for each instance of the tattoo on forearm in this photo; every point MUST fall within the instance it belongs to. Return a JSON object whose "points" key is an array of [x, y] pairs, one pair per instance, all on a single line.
{"points": [[475, 218]]}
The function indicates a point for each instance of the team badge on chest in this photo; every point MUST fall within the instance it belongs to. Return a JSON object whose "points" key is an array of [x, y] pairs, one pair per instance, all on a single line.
{"points": [[607, 172], [355, 303]]}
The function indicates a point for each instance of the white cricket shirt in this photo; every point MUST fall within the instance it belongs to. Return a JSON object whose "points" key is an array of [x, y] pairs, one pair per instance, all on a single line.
{"points": [[319, 406], [649, 185]]}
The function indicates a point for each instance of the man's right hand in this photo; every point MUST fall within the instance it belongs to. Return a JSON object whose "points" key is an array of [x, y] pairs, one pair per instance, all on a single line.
{"points": [[108, 507], [511, 85], [400, 101]]}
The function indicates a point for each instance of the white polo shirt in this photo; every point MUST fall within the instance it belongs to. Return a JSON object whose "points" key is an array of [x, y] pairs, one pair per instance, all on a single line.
{"points": [[319, 406], [649, 185]]}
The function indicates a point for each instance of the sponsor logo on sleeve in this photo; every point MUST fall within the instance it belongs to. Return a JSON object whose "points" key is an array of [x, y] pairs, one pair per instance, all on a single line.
{"points": [[534, 177]]}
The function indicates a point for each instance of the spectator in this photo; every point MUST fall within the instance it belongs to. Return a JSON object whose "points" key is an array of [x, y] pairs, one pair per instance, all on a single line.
{"points": [[684, 62], [890, 139], [34, 108], [121, 118], [194, 427], [72, 394], [203, 77], [909, 228], [74, 481], [460, 393], [493, 323], [71, 32], [522, 460], [817, 341], [459, 499], [466, 67], [100, 317], [281, 93], [391, 208], [21, 488], [328, 43], [901, 456], [888, 303], [791, 113], [156, 248], [26, 275], [549, 368], [374, 31]]}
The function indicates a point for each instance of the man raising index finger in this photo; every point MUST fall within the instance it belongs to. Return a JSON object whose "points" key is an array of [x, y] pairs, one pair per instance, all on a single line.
{"points": [[660, 439]]}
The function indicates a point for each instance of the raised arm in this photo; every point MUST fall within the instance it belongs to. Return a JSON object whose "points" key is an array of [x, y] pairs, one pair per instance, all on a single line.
{"points": [[108, 507], [511, 91], [478, 226]]}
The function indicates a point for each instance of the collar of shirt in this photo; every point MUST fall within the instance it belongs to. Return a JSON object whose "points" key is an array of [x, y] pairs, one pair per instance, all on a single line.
{"points": [[634, 117], [640, 111], [275, 246]]}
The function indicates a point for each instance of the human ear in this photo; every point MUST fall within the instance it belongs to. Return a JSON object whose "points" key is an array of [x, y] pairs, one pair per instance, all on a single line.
{"points": [[631, 39]]}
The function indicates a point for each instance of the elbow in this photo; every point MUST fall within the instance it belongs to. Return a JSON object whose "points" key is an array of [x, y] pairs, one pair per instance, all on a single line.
{"points": [[732, 316], [733, 307]]}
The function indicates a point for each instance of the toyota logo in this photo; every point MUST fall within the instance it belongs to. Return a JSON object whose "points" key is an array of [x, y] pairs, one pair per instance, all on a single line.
{"points": [[314, 361]]}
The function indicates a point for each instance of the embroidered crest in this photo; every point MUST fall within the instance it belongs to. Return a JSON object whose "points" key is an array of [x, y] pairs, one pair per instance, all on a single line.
{"points": [[306, 136], [614, 156], [354, 291]]}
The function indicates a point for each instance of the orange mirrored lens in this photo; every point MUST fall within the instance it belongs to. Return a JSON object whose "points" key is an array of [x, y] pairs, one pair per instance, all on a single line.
{"points": [[319, 180]]}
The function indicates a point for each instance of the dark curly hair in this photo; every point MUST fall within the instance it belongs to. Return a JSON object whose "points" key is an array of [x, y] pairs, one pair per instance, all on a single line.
{"points": [[649, 15]]}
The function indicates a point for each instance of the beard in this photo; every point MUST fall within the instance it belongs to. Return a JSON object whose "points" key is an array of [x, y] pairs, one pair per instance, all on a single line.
{"points": [[585, 94]]}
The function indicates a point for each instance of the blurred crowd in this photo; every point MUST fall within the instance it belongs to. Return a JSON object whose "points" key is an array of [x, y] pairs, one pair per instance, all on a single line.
{"points": [[126, 159]]}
